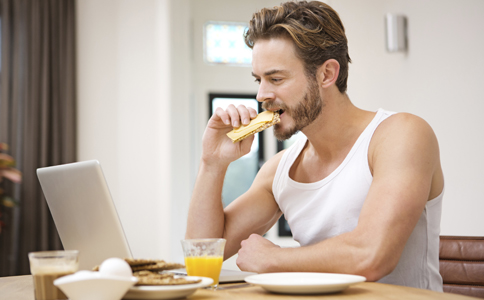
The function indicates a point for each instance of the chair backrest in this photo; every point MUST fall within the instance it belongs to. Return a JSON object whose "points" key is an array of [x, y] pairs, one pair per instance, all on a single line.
{"points": [[462, 265]]}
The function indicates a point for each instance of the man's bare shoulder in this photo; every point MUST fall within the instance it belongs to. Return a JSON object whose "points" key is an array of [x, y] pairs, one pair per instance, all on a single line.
{"points": [[403, 133], [403, 125], [268, 171], [274, 161]]}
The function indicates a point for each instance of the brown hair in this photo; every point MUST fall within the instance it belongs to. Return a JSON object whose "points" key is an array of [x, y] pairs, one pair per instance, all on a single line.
{"points": [[314, 27]]}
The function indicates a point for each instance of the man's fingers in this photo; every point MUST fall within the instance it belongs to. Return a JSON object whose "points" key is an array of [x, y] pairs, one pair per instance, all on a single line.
{"points": [[253, 113], [222, 115], [234, 115], [240, 115], [244, 114]]}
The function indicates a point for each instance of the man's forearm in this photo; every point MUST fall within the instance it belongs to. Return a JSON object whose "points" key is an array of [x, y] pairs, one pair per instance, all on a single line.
{"points": [[346, 253], [205, 214], [336, 255]]}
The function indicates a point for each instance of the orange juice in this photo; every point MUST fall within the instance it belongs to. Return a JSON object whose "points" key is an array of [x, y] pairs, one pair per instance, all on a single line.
{"points": [[206, 266]]}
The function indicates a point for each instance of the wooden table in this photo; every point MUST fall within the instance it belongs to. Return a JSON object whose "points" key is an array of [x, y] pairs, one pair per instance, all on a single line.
{"points": [[21, 288]]}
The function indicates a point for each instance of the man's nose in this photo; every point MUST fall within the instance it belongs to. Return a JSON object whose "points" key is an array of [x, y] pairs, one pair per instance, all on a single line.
{"points": [[264, 93]]}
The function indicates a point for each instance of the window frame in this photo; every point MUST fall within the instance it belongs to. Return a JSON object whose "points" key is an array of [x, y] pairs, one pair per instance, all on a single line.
{"points": [[205, 60], [211, 96]]}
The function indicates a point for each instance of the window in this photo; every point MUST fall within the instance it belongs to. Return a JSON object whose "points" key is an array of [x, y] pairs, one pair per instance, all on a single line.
{"points": [[241, 173], [224, 44]]}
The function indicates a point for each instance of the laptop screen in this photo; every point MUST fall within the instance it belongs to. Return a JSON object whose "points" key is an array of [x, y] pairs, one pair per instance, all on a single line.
{"points": [[84, 212]]}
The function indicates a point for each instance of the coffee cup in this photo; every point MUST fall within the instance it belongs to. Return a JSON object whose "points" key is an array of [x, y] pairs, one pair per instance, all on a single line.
{"points": [[47, 266]]}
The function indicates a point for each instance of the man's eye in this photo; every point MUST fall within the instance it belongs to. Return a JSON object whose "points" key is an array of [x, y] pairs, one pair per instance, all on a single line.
{"points": [[276, 79], [257, 80]]}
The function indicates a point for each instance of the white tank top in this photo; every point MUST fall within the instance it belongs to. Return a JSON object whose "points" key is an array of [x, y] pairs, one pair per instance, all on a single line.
{"points": [[323, 209]]}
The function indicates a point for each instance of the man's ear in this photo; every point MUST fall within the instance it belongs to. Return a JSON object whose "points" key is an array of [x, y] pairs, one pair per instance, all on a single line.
{"points": [[328, 73]]}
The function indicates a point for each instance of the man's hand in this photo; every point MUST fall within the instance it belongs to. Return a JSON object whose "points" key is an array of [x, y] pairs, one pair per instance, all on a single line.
{"points": [[255, 254], [217, 147]]}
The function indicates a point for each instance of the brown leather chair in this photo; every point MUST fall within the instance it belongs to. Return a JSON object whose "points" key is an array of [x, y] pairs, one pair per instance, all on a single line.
{"points": [[462, 265]]}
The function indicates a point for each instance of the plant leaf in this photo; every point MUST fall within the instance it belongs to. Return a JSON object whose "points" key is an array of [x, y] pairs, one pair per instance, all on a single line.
{"points": [[11, 174], [8, 201]]}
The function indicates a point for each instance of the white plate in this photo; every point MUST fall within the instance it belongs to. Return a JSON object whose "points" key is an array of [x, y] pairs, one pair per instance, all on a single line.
{"points": [[304, 283], [167, 292]]}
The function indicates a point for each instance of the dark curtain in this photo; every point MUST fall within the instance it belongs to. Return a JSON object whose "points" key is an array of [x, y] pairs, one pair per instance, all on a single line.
{"points": [[37, 117]]}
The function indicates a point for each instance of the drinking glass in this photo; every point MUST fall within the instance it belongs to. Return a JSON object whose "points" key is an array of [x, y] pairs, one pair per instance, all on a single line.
{"points": [[204, 257], [47, 266]]}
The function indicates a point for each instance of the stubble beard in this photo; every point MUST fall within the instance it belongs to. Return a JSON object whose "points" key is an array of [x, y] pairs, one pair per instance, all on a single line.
{"points": [[303, 114]]}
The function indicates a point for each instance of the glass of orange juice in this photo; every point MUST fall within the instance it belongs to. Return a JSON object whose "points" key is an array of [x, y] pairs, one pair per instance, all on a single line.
{"points": [[204, 257]]}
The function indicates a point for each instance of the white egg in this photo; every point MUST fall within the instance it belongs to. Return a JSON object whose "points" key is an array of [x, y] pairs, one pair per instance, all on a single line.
{"points": [[116, 267]]}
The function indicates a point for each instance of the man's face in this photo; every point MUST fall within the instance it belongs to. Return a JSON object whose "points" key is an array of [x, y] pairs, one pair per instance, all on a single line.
{"points": [[284, 86]]}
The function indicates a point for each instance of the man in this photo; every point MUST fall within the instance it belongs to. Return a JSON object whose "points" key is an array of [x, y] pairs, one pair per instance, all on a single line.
{"points": [[362, 194]]}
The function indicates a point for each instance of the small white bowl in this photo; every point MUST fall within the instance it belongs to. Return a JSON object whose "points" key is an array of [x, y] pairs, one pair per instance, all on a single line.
{"points": [[87, 285]]}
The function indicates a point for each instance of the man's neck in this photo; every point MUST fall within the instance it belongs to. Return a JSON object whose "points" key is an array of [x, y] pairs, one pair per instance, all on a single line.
{"points": [[335, 131]]}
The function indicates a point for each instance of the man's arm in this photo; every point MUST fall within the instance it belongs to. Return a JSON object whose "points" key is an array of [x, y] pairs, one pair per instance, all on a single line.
{"points": [[404, 159], [253, 212]]}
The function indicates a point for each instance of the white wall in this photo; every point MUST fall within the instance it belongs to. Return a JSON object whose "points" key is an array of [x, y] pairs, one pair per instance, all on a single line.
{"points": [[181, 114], [124, 112], [142, 92]]}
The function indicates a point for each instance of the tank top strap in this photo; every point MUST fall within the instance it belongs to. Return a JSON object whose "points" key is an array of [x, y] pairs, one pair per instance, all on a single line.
{"points": [[287, 160]]}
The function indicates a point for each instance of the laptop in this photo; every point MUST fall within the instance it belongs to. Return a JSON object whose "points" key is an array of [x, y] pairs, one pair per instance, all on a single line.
{"points": [[86, 218], [83, 211], [226, 276]]}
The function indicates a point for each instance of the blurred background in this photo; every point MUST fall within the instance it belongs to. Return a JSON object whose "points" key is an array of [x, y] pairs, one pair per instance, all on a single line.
{"points": [[148, 74]]}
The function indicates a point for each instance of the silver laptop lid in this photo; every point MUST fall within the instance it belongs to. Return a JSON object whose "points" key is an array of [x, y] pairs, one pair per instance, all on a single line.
{"points": [[84, 212]]}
